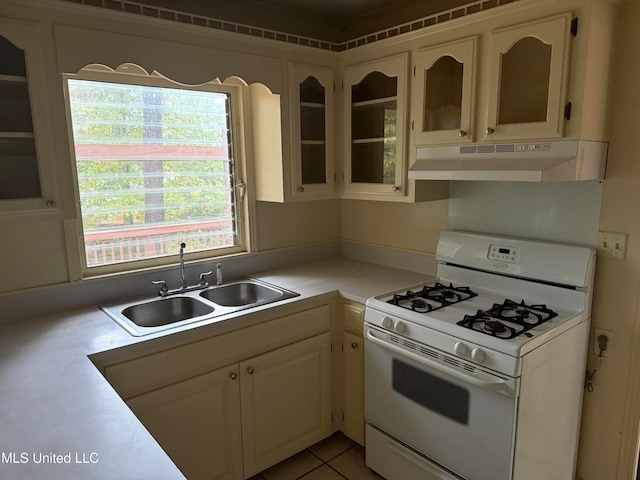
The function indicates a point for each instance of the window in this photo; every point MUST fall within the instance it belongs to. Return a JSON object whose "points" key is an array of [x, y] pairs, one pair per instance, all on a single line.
{"points": [[156, 166]]}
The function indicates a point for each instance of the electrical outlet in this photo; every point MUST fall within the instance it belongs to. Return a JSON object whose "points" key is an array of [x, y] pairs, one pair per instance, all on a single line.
{"points": [[609, 342], [612, 245]]}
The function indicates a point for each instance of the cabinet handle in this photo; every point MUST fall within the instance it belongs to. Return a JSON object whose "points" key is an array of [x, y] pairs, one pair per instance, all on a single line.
{"points": [[301, 189], [354, 345], [250, 370], [462, 133], [489, 130], [51, 204], [233, 375], [395, 188]]}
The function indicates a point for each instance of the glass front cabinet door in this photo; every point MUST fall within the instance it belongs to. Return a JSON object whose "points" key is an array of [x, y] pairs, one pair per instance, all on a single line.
{"points": [[312, 132], [443, 89], [529, 70], [26, 172], [374, 127]]}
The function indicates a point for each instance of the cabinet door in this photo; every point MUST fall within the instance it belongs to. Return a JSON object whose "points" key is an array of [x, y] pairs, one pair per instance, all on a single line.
{"points": [[529, 70], [27, 176], [353, 375], [286, 401], [311, 90], [443, 92], [374, 126], [197, 422], [353, 316]]}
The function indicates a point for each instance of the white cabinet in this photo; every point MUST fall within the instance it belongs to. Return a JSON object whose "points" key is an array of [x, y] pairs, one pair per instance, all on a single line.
{"points": [[353, 371], [27, 176], [526, 92], [232, 405], [286, 401], [239, 420], [197, 422], [443, 88], [528, 82], [374, 113], [311, 98]]}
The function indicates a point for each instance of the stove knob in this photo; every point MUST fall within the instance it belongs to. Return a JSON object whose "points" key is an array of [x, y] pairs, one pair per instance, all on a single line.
{"points": [[478, 355], [400, 326], [387, 323], [460, 349]]}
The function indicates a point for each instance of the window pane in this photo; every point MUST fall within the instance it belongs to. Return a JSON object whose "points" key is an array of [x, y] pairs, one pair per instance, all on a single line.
{"points": [[443, 92], [373, 129], [155, 168], [431, 392], [524, 82]]}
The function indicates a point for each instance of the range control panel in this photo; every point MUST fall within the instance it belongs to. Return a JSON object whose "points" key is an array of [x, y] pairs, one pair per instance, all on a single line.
{"points": [[504, 254]]}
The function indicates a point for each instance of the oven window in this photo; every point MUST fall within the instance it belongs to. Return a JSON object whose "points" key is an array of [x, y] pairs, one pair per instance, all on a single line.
{"points": [[431, 392]]}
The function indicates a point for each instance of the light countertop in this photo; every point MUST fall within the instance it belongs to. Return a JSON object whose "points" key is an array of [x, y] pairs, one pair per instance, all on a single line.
{"points": [[60, 418]]}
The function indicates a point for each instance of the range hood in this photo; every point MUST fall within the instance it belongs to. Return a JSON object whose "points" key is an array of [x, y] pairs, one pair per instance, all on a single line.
{"points": [[563, 160]]}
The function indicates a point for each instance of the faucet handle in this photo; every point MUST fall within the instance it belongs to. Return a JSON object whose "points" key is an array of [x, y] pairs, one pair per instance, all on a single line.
{"points": [[203, 282], [164, 288]]}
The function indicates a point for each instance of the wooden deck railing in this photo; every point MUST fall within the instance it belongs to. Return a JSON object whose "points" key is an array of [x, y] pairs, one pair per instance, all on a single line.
{"points": [[123, 244]]}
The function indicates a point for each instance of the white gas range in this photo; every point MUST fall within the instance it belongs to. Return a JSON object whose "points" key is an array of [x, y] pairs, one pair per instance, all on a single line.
{"points": [[479, 375]]}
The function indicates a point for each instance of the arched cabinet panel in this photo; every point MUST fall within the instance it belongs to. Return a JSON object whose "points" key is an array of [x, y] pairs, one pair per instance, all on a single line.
{"points": [[528, 88], [27, 175], [312, 147], [443, 89]]}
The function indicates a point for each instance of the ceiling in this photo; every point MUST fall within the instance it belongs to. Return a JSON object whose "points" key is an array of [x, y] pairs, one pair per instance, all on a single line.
{"points": [[330, 20]]}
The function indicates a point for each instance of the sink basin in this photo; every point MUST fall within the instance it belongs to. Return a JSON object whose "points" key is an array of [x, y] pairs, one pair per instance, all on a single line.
{"points": [[243, 293], [166, 311], [143, 317]]}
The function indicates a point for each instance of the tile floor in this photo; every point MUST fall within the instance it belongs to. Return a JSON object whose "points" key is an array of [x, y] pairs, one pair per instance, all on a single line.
{"points": [[335, 458]]}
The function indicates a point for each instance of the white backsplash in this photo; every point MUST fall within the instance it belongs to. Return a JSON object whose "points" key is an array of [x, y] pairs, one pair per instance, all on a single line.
{"points": [[390, 257], [567, 212]]}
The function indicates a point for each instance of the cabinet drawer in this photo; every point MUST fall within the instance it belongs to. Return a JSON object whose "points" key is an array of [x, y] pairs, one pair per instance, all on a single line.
{"points": [[353, 316], [142, 374]]}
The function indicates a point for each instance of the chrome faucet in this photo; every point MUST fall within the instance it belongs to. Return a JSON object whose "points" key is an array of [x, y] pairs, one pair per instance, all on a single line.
{"points": [[184, 286]]}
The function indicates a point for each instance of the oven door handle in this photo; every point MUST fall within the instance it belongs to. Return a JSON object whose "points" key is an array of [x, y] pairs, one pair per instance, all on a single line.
{"points": [[499, 385]]}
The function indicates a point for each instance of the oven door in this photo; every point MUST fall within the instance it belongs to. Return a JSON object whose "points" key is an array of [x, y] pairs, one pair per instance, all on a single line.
{"points": [[457, 415]]}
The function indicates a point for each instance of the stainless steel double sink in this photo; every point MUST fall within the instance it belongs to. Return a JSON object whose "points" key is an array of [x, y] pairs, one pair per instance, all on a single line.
{"points": [[148, 316]]}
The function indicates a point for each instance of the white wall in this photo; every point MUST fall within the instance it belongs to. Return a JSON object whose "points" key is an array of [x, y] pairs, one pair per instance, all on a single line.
{"points": [[566, 212]]}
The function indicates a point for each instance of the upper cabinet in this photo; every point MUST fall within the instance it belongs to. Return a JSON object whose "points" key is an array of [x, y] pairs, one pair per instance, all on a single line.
{"points": [[374, 112], [517, 101], [27, 179], [443, 93], [528, 82], [526, 97], [311, 96]]}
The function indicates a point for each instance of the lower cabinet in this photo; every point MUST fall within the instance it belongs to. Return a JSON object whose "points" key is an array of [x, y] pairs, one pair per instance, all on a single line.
{"points": [[353, 375], [353, 371], [286, 401], [238, 420], [197, 423]]}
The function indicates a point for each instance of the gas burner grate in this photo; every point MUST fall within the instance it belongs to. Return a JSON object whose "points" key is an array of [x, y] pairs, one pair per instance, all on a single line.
{"points": [[431, 298], [508, 320], [522, 313]]}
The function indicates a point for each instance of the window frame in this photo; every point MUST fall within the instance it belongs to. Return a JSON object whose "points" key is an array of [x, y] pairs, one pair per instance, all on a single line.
{"points": [[131, 74]]}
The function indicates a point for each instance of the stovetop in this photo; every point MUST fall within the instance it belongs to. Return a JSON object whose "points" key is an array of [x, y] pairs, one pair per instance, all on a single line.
{"points": [[497, 318], [506, 319], [428, 298], [496, 296]]}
